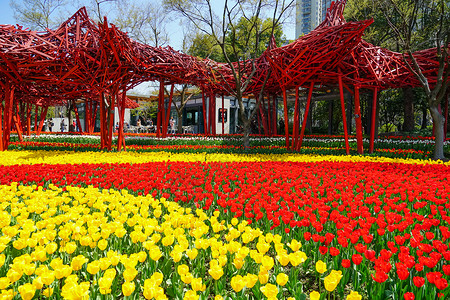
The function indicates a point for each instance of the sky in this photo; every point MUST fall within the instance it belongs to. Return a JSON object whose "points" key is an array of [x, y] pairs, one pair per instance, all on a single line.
{"points": [[6, 13], [174, 29]]}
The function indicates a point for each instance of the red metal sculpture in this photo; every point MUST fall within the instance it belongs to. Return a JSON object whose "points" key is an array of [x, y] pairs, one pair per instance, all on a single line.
{"points": [[99, 63]]}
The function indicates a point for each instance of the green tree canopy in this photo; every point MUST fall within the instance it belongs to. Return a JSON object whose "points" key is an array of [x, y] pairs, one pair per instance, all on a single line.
{"points": [[240, 41]]}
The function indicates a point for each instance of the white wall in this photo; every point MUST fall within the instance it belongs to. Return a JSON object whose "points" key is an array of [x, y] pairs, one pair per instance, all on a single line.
{"points": [[226, 103], [126, 117]]}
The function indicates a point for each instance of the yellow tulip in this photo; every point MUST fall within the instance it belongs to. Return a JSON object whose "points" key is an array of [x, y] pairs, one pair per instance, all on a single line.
{"points": [[176, 255], [321, 267], [128, 288], [197, 284], [237, 283], [19, 244], [283, 259], [129, 274], [2, 259], [93, 267], [48, 292], [216, 272], [297, 258], [51, 248], [269, 290], [155, 253], [250, 280], [353, 296], [157, 278], [104, 263], [282, 279], [78, 262], [142, 256], [295, 245], [262, 247], [332, 280], [187, 278], [267, 262], [314, 295], [192, 253], [263, 277], [102, 244], [27, 291], [190, 295], [168, 240], [70, 247], [183, 269], [238, 263], [48, 277], [37, 283], [104, 284], [13, 275], [4, 283], [28, 269]]}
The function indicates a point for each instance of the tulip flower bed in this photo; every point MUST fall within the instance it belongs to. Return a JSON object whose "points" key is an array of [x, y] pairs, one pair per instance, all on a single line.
{"points": [[337, 141], [175, 225], [416, 149]]}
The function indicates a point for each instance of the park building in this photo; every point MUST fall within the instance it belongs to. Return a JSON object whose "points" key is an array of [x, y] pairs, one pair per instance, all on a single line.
{"points": [[192, 120], [143, 118]]}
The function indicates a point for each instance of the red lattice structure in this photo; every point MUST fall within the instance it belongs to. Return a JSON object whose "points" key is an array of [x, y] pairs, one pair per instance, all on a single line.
{"points": [[98, 63]]}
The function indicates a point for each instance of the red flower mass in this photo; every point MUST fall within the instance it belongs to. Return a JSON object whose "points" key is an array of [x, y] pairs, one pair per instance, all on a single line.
{"points": [[380, 216]]}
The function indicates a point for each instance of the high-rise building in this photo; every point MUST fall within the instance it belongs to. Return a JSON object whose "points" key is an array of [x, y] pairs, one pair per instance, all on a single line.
{"points": [[309, 14]]}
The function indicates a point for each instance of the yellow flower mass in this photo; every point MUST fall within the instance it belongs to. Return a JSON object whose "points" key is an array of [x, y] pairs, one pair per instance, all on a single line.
{"points": [[28, 157], [78, 241]]}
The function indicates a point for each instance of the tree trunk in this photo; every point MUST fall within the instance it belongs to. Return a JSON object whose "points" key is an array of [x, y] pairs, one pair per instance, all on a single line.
{"points": [[349, 113], [180, 120], [438, 121], [69, 115], [424, 118], [408, 110], [330, 116], [309, 120], [245, 121]]}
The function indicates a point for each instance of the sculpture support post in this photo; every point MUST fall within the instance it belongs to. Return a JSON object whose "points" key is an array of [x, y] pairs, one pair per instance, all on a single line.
{"points": [[77, 116], [223, 115], [359, 134], [205, 119], [43, 115], [344, 118], [305, 117], [372, 126], [446, 116], [286, 120], [296, 121]]}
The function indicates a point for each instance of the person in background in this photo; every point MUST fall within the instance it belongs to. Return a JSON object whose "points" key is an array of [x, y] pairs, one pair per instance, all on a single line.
{"points": [[282, 129], [63, 125], [50, 124], [172, 125]]}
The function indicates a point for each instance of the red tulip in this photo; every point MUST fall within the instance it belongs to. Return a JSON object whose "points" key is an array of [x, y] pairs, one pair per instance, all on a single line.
{"points": [[418, 281], [357, 259], [370, 255], [346, 263], [323, 250], [380, 277], [403, 273], [441, 283], [334, 251]]}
